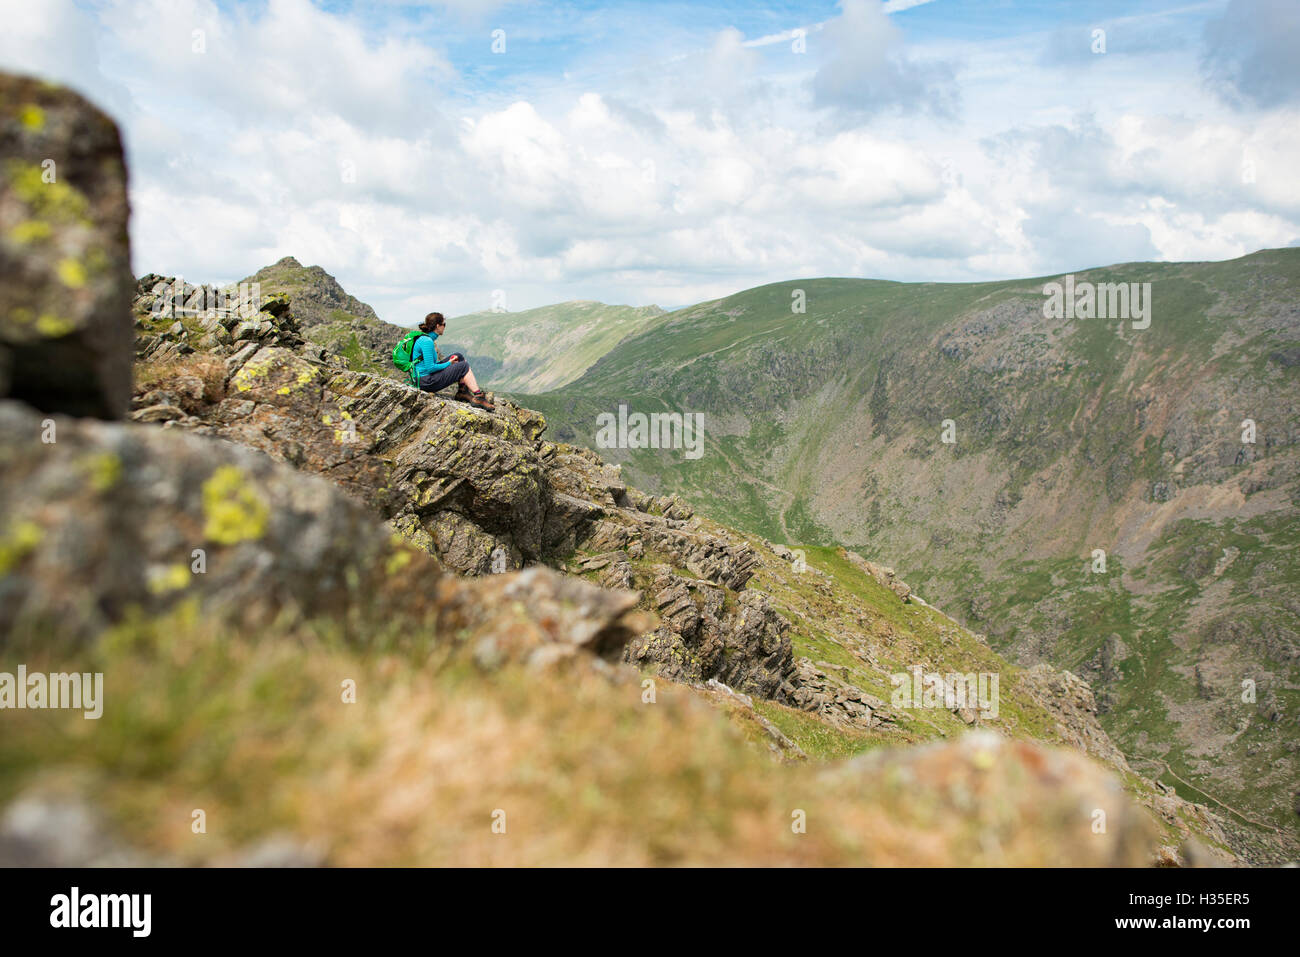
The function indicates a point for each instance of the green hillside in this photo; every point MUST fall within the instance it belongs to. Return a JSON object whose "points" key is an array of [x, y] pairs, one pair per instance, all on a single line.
{"points": [[1070, 435]]}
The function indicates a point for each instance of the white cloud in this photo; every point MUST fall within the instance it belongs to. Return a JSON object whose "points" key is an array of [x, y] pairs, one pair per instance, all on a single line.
{"points": [[867, 71]]}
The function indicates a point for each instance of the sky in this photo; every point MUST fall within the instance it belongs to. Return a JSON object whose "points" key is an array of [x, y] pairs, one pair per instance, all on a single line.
{"points": [[461, 155]]}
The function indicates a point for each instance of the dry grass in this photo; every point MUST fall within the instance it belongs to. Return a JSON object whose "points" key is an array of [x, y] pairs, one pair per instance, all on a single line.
{"points": [[209, 369], [253, 730]]}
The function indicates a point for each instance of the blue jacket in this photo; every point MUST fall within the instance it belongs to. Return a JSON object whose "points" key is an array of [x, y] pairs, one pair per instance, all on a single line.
{"points": [[425, 355]]}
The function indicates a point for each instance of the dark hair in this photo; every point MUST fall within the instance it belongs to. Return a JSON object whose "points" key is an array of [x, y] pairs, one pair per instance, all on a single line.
{"points": [[432, 321]]}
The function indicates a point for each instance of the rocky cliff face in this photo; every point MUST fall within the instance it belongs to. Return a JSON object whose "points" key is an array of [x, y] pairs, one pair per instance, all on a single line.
{"points": [[483, 492]]}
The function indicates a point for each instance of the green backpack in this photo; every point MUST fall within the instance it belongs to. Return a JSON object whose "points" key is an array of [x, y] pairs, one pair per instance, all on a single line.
{"points": [[402, 355]]}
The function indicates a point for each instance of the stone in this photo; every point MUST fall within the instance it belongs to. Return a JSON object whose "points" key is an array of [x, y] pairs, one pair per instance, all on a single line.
{"points": [[66, 338], [104, 523]]}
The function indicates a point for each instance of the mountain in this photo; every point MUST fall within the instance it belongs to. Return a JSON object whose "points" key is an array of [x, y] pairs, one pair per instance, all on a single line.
{"points": [[347, 622], [541, 349], [1170, 448], [330, 316], [800, 650]]}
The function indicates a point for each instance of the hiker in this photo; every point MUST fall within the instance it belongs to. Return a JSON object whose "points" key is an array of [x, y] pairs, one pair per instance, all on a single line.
{"points": [[433, 373]]}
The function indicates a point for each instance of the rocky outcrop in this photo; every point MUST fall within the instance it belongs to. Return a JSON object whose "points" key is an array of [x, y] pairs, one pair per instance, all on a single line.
{"points": [[539, 616], [883, 575], [838, 701], [330, 317], [65, 341], [316, 294], [173, 318], [746, 648], [1070, 700], [242, 541], [483, 492]]}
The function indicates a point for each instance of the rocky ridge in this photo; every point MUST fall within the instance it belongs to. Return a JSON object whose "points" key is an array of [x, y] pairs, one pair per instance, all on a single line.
{"points": [[329, 315]]}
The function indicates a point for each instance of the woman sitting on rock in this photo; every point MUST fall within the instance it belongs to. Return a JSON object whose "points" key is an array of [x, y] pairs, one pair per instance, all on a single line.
{"points": [[435, 373]]}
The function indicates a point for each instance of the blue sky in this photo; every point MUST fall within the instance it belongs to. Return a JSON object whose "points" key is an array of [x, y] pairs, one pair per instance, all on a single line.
{"points": [[674, 152]]}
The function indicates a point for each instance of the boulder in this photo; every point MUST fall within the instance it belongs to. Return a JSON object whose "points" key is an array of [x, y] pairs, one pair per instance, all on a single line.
{"points": [[109, 520], [65, 299]]}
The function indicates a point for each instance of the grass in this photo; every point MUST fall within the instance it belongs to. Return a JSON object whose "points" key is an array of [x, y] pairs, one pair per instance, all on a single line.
{"points": [[254, 731]]}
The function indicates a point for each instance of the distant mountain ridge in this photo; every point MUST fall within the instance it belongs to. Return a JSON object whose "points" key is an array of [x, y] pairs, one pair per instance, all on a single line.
{"points": [[536, 350]]}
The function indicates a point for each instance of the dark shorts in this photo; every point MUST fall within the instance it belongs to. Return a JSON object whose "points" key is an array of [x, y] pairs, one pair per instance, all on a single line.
{"points": [[439, 380]]}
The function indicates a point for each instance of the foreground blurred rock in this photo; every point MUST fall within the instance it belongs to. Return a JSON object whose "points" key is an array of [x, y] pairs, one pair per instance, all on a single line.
{"points": [[65, 333], [63, 827]]}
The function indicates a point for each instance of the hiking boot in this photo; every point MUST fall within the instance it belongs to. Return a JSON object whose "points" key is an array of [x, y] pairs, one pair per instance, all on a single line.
{"points": [[463, 394], [481, 400]]}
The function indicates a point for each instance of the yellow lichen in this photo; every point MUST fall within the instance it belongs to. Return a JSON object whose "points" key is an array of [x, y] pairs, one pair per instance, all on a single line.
{"points": [[397, 561], [71, 273], [52, 201], [234, 511], [243, 379], [32, 117], [17, 543], [105, 471], [172, 578], [48, 324], [30, 231]]}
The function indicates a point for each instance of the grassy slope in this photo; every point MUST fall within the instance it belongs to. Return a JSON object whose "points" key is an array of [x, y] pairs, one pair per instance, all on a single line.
{"points": [[823, 427]]}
